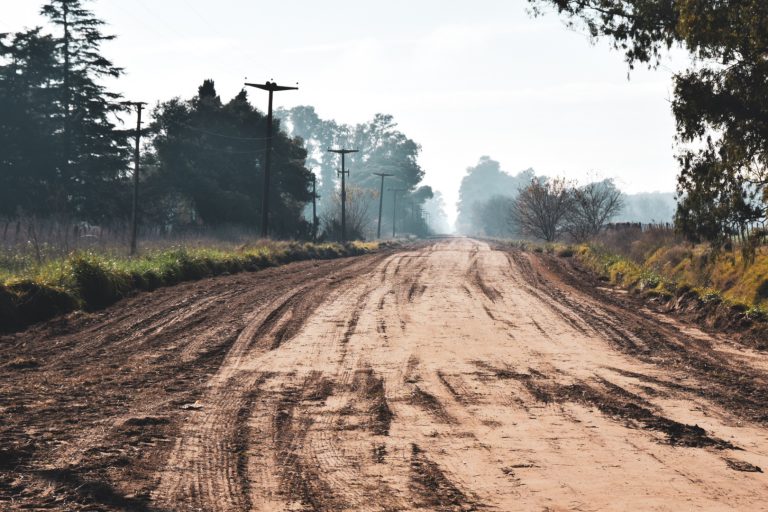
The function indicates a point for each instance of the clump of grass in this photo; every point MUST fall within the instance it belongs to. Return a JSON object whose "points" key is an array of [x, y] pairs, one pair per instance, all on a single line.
{"points": [[91, 280]]}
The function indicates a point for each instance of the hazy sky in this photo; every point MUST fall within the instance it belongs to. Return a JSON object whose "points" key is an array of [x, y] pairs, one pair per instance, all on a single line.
{"points": [[464, 79]]}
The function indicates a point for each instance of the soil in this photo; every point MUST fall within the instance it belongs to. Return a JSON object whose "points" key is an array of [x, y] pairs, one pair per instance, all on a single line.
{"points": [[449, 376]]}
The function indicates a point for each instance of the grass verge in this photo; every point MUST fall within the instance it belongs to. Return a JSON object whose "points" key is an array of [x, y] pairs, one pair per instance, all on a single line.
{"points": [[91, 281], [667, 275]]}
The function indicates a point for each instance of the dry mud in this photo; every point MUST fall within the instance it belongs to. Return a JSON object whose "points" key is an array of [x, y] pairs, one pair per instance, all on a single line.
{"points": [[452, 376]]}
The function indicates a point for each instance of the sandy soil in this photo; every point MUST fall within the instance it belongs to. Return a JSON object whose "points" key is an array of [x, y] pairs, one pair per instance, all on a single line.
{"points": [[451, 376]]}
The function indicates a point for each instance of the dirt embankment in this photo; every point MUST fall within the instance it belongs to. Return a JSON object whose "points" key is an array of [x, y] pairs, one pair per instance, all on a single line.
{"points": [[447, 377]]}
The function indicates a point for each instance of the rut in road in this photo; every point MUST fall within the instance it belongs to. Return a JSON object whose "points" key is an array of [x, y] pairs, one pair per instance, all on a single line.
{"points": [[450, 376]]}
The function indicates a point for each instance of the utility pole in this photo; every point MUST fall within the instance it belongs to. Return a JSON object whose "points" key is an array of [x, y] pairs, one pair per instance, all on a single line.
{"points": [[381, 201], [394, 207], [343, 152], [314, 207], [271, 87], [135, 203]]}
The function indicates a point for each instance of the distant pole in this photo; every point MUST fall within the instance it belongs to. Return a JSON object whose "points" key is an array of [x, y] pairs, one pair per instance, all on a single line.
{"points": [[314, 207], [394, 207], [343, 152], [135, 203], [381, 201], [271, 87]]}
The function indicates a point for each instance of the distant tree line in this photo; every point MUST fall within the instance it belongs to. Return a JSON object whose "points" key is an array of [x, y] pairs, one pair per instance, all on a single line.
{"points": [[494, 203], [65, 152], [383, 148]]}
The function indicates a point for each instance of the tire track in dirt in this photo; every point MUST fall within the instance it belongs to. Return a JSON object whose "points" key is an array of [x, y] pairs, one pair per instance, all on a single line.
{"points": [[734, 387]]}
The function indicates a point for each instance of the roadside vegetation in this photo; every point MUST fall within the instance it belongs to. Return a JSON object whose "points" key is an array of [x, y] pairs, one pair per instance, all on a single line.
{"points": [[31, 292], [659, 263]]}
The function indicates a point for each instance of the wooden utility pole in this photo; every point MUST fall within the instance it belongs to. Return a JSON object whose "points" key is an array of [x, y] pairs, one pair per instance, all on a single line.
{"points": [[135, 203], [381, 201], [271, 87], [394, 207], [314, 207], [343, 152]]}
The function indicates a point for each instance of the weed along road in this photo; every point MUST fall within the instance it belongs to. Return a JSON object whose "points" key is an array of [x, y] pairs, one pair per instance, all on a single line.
{"points": [[448, 376]]}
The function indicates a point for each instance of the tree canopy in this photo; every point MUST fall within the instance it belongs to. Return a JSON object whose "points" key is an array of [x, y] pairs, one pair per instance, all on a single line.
{"points": [[209, 155], [62, 152]]}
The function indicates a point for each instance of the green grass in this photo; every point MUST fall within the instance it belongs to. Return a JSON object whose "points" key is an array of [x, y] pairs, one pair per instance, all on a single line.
{"points": [[31, 293]]}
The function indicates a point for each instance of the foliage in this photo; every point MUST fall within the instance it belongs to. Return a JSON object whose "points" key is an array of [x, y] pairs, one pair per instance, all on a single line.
{"points": [[90, 280], [208, 161], [62, 152], [494, 217], [93, 153], [383, 148], [715, 276], [719, 103], [27, 108]]}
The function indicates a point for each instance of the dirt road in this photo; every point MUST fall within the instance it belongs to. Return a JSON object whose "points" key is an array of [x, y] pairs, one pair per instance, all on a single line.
{"points": [[452, 376]]}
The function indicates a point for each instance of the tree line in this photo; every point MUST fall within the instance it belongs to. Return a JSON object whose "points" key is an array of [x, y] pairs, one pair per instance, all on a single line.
{"points": [[65, 152], [494, 203]]}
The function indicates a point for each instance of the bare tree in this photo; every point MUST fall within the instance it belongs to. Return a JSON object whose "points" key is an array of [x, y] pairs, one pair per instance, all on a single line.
{"points": [[593, 205], [541, 208], [359, 219]]}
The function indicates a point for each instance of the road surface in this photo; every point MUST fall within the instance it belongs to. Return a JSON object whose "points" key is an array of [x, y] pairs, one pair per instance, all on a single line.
{"points": [[449, 376]]}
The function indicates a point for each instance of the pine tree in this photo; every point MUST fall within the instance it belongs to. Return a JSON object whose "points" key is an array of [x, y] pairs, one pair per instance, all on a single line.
{"points": [[27, 160], [92, 152]]}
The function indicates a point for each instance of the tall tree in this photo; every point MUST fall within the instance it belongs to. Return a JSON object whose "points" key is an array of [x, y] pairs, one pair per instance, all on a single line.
{"points": [[92, 153], [208, 163], [27, 142]]}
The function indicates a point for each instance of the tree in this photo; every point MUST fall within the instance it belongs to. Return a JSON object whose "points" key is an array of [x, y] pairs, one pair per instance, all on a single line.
{"points": [[382, 148], [27, 132], [541, 208], [718, 202], [318, 135], [92, 153], [723, 96], [209, 155], [592, 206]]}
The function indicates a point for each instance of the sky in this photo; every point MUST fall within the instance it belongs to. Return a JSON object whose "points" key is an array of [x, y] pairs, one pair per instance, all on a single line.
{"points": [[463, 79]]}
